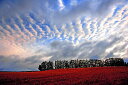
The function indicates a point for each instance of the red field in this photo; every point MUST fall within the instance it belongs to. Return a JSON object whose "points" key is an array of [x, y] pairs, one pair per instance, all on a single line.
{"points": [[76, 76]]}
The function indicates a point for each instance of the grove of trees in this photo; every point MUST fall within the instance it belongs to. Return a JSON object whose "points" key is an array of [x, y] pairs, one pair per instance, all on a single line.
{"points": [[59, 64]]}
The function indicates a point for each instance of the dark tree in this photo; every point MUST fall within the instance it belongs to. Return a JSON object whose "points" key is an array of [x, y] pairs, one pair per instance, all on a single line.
{"points": [[114, 62], [47, 65], [40, 67]]}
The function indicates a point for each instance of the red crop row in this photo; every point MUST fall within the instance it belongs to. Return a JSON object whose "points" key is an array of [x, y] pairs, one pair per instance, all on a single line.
{"points": [[77, 76]]}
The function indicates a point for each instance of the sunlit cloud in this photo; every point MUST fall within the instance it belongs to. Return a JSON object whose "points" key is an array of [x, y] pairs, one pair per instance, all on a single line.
{"points": [[51, 30]]}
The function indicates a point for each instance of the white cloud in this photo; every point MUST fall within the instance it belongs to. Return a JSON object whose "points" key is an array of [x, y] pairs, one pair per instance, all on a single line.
{"points": [[61, 5], [78, 37]]}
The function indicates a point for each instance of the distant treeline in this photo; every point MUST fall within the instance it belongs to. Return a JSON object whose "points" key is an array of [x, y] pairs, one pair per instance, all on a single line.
{"points": [[59, 64]]}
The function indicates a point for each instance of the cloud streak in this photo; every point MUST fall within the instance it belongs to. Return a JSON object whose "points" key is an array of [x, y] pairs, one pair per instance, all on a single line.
{"points": [[56, 11], [93, 8], [34, 35]]}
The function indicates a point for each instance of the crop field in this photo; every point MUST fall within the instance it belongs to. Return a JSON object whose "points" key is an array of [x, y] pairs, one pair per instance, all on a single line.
{"points": [[72, 76]]}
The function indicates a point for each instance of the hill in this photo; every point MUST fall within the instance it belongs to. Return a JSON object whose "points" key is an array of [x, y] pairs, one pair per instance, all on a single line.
{"points": [[77, 76]]}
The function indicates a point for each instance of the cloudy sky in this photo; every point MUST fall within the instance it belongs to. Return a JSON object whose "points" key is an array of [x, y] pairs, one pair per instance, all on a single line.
{"points": [[32, 31]]}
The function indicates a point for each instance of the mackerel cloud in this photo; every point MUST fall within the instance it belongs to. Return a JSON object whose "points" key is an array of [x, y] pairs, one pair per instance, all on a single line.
{"points": [[58, 10], [32, 31]]}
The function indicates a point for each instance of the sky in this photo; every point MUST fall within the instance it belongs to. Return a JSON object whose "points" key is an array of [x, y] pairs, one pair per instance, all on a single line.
{"points": [[33, 31]]}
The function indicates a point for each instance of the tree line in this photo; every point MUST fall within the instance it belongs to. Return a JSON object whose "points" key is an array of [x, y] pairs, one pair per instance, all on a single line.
{"points": [[60, 64]]}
